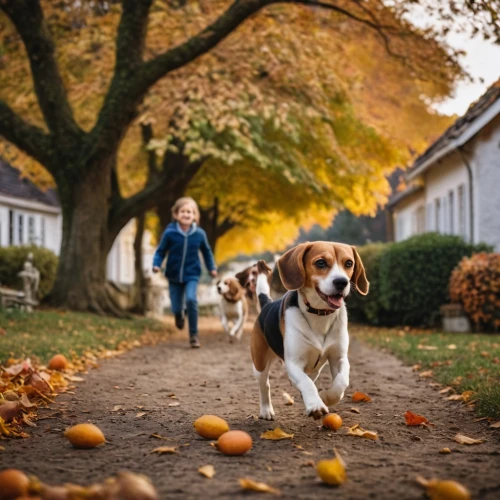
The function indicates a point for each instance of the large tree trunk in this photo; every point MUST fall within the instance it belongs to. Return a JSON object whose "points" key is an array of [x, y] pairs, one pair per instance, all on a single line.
{"points": [[81, 273]]}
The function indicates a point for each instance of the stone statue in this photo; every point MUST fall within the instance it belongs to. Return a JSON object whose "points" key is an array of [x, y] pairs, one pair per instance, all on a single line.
{"points": [[31, 280]]}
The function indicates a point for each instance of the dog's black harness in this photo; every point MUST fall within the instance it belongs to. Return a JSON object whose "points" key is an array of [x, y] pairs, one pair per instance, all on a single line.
{"points": [[271, 318]]}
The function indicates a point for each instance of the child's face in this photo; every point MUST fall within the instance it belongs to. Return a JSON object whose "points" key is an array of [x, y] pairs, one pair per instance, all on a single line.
{"points": [[185, 215]]}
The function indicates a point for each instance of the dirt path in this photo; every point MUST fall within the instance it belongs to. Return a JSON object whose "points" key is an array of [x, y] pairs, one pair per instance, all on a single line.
{"points": [[217, 379]]}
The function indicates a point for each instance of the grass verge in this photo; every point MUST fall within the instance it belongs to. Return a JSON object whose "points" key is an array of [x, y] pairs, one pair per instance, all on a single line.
{"points": [[464, 361], [42, 334]]}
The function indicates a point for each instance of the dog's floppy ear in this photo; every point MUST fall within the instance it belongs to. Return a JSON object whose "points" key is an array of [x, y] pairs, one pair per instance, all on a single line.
{"points": [[242, 276], [359, 276], [291, 267]]}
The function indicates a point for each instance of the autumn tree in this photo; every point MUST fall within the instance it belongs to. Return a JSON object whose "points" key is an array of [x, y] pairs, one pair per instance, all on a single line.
{"points": [[82, 151]]}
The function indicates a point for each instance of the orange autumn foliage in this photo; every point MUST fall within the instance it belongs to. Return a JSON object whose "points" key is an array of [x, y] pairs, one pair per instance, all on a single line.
{"points": [[414, 419], [361, 396], [475, 283]]}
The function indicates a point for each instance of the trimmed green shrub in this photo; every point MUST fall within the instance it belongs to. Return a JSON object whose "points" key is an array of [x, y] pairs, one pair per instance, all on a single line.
{"points": [[414, 276], [368, 309], [12, 261]]}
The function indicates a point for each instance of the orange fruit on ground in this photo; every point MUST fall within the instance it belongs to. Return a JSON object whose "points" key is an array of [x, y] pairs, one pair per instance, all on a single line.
{"points": [[234, 443], [84, 436], [13, 484], [447, 490], [331, 471], [210, 426], [332, 421], [58, 362]]}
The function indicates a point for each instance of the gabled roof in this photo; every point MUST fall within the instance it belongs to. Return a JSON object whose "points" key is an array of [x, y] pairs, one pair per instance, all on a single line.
{"points": [[14, 185], [477, 116]]}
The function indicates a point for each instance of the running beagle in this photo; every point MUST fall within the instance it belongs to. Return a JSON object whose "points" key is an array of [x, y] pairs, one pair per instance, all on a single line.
{"points": [[308, 326], [233, 307]]}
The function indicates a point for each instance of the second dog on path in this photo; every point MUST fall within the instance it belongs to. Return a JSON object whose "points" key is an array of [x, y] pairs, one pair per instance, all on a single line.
{"points": [[233, 307]]}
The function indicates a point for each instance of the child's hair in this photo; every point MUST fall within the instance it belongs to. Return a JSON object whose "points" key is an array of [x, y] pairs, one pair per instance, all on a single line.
{"points": [[185, 200]]}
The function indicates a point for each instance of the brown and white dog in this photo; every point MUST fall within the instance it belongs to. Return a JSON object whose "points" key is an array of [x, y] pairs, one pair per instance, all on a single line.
{"points": [[248, 280], [307, 328], [233, 307]]}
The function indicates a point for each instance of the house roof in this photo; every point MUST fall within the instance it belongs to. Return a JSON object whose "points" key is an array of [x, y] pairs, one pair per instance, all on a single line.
{"points": [[477, 116], [402, 195], [14, 185]]}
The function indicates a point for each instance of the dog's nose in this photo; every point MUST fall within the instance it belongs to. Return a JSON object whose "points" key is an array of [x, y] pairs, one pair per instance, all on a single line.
{"points": [[340, 283]]}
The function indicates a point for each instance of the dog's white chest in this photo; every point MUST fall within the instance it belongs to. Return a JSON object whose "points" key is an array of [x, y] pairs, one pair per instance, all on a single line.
{"points": [[231, 309]]}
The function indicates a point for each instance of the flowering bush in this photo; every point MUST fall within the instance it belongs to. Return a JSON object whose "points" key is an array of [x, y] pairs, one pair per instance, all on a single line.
{"points": [[475, 283]]}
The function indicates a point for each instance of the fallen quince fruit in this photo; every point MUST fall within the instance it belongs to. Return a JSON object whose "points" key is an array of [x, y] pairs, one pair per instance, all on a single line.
{"points": [[210, 426], [85, 436]]}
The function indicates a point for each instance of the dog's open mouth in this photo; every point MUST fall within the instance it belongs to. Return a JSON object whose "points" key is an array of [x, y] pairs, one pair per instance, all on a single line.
{"points": [[333, 301]]}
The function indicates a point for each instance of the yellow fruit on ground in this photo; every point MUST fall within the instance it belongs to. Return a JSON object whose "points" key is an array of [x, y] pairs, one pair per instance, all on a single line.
{"points": [[234, 443], [332, 421], [210, 426], [84, 436], [58, 362], [13, 484], [447, 490], [331, 471]]}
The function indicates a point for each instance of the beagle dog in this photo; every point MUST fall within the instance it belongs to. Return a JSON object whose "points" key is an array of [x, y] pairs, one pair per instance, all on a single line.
{"points": [[233, 307], [307, 327]]}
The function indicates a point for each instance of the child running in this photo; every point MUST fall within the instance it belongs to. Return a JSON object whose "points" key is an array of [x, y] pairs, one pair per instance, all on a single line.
{"points": [[182, 240]]}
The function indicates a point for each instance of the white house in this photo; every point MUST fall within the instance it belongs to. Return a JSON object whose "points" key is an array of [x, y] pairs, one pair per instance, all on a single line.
{"points": [[29, 215], [454, 186]]}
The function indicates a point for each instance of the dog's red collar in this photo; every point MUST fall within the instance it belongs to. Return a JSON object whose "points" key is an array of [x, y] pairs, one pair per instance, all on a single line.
{"points": [[318, 312]]}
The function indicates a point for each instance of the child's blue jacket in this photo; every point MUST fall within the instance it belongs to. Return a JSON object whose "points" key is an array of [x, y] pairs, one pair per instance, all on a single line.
{"points": [[183, 260]]}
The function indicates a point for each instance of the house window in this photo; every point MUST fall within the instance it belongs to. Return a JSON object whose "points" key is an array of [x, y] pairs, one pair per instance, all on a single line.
{"points": [[11, 227], [461, 210], [43, 230], [31, 230], [20, 229], [451, 212], [437, 215]]}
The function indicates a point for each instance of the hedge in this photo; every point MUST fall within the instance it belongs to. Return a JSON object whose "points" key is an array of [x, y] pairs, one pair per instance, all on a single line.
{"points": [[12, 261], [414, 276], [368, 309]]}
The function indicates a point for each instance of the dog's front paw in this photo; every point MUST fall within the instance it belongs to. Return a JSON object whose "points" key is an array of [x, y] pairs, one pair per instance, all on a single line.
{"points": [[317, 410], [267, 413], [330, 397]]}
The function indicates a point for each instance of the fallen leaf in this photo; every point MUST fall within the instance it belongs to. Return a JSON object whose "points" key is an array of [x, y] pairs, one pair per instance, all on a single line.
{"points": [[141, 414], [446, 389], [414, 419], [451, 346], [288, 399], [250, 484], [356, 430], [116, 408], [427, 373], [460, 438], [445, 451], [157, 436], [424, 347], [207, 471], [276, 435], [354, 410], [165, 449], [467, 395], [455, 397], [176, 403], [496, 425], [360, 396], [415, 368]]}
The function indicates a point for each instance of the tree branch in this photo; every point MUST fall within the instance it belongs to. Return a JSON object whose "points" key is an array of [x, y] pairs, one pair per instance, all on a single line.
{"points": [[181, 55], [27, 17], [28, 138]]}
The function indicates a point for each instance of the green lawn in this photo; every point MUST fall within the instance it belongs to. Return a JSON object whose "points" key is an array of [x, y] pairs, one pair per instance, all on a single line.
{"points": [[42, 334], [465, 361]]}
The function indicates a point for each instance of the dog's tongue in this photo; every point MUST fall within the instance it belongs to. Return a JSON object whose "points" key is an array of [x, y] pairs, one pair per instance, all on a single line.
{"points": [[336, 300]]}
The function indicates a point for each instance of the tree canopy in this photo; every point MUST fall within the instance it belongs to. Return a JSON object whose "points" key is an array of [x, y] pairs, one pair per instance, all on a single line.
{"points": [[77, 76]]}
